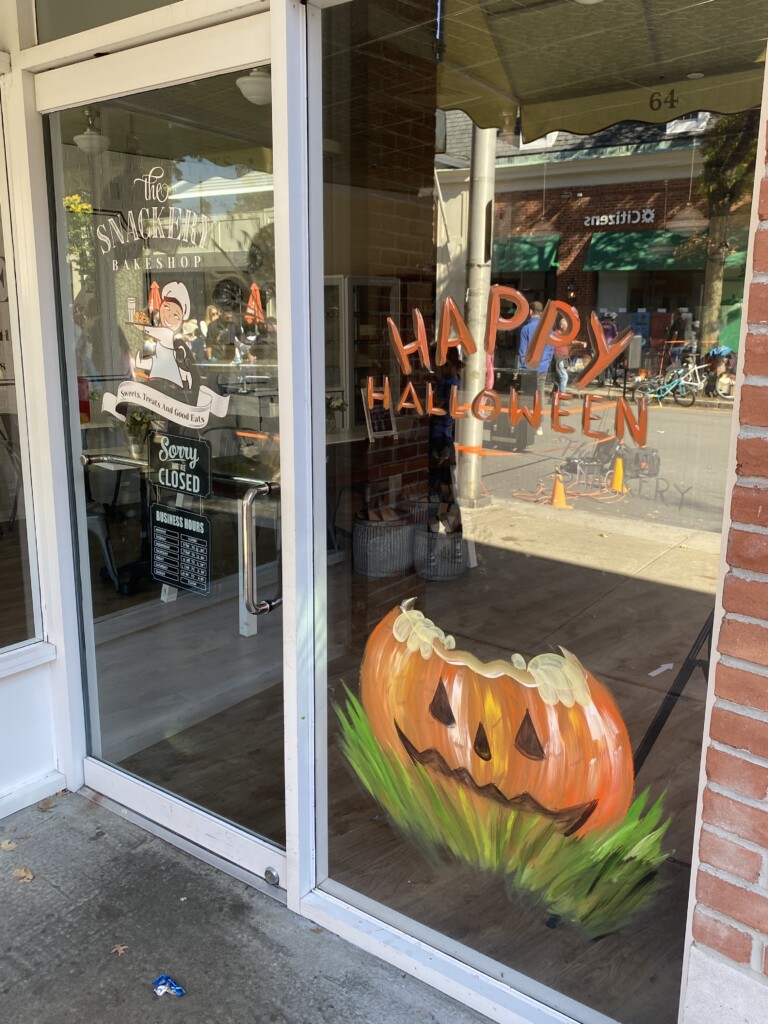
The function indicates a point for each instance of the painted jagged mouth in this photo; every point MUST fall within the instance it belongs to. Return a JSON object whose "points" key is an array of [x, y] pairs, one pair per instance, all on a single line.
{"points": [[569, 819]]}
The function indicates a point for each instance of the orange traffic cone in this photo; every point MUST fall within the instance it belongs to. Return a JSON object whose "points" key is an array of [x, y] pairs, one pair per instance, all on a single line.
{"points": [[558, 494], [617, 479]]}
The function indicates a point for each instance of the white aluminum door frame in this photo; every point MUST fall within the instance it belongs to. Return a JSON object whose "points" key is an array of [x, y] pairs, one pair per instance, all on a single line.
{"points": [[209, 51], [21, 653]]}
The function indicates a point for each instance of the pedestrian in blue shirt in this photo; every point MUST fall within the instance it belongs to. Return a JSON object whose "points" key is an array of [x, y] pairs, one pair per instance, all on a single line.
{"points": [[542, 368]]}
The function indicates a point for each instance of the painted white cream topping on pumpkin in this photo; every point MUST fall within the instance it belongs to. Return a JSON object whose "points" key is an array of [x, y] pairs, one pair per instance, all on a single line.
{"points": [[420, 633], [560, 679]]}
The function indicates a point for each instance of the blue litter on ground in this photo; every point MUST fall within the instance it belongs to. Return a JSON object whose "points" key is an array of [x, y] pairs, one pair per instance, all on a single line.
{"points": [[165, 983]]}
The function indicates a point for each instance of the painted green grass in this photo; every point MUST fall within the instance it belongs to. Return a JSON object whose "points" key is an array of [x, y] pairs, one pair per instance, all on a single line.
{"points": [[597, 881]]}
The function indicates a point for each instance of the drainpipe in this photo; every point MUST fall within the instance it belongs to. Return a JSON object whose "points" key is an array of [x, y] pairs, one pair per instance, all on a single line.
{"points": [[482, 185]]}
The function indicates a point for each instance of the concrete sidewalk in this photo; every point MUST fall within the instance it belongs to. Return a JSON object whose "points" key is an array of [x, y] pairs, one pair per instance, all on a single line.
{"points": [[100, 881]]}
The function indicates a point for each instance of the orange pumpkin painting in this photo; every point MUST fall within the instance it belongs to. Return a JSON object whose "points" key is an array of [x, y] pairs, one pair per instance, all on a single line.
{"points": [[544, 737]]}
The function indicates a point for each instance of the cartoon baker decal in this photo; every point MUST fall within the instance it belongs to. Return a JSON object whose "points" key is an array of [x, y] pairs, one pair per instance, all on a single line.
{"points": [[165, 359]]}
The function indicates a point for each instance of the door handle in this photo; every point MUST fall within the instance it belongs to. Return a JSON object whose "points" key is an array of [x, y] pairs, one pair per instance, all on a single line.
{"points": [[260, 490], [112, 460]]}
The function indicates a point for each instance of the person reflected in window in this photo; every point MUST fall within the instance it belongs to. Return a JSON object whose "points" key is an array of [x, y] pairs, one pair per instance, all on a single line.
{"points": [[610, 333], [562, 355], [126, 357], [191, 337], [442, 454], [212, 314], [224, 337], [534, 377], [610, 330], [677, 334]]}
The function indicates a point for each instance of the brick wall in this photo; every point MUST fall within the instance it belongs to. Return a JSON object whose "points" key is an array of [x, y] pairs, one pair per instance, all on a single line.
{"points": [[379, 215], [516, 212], [731, 913]]}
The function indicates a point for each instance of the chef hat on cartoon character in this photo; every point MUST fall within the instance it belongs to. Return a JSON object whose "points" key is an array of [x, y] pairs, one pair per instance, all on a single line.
{"points": [[177, 292]]}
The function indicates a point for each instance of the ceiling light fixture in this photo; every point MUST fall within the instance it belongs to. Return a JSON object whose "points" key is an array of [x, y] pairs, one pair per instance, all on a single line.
{"points": [[662, 245], [542, 227], [256, 86], [510, 128], [689, 220], [588, 3], [91, 140]]}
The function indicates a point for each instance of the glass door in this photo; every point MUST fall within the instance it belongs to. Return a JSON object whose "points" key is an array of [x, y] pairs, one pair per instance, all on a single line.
{"points": [[165, 214]]}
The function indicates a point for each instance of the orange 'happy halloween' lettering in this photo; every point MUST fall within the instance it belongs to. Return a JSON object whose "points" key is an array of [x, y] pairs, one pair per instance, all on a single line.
{"points": [[420, 345], [544, 333], [384, 396], [432, 409], [486, 405], [586, 419], [464, 340], [494, 322], [516, 412], [603, 354], [638, 428], [410, 400], [558, 413]]}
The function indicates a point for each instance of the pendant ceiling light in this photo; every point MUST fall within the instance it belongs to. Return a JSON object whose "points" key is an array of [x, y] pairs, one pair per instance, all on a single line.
{"points": [[542, 227], [256, 86], [91, 140], [510, 133], [689, 220]]}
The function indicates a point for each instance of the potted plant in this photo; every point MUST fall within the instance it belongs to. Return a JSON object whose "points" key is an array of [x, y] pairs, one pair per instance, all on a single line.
{"points": [[333, 405], [137, 425]]}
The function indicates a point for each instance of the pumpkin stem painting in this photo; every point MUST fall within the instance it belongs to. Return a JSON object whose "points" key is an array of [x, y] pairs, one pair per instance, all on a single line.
{"points": [[520, 769]]}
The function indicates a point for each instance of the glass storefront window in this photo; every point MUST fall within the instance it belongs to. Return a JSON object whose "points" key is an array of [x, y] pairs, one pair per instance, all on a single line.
{"points": [[526, 497], [18, 597], [56, 20]]}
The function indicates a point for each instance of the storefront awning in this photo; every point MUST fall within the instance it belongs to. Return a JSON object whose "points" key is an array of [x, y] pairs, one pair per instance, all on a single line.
{"points": [[524, 252], [656, 61], [656, 250]]}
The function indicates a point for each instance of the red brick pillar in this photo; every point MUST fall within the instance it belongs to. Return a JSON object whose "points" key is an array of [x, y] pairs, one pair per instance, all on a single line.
{"points": [[728, 964]]}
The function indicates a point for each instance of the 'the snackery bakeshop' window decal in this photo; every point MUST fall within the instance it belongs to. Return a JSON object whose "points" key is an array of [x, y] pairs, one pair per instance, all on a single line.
{"points": [[165, 362], [165, 380]]}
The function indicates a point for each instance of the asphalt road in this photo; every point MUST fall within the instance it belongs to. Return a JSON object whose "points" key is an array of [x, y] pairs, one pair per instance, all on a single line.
{"points": [[688, 492]]}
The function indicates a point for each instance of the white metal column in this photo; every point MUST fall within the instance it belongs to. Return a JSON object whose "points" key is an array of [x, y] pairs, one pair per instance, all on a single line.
{"points": [[482, 184], [290, 139]]}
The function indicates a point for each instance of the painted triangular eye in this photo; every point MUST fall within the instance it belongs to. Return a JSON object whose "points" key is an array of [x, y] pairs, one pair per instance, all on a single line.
{"points": [[440, 708], [527, 742], [481, 746]]}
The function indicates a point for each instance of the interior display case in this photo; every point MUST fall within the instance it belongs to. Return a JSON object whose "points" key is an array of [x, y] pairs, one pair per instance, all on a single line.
{"points": [[336, 362], [357, 342]]}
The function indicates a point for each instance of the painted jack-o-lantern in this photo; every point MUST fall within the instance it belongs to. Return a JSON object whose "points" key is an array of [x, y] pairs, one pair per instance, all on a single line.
{"points": [[545, 738]]}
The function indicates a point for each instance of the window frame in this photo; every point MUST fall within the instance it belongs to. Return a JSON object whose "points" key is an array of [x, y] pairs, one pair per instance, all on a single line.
{"points": [[19, 655]]}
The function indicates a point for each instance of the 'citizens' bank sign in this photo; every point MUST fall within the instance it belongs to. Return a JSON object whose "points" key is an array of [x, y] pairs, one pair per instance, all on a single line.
{"points": [[621, 217], [155, 219]]}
